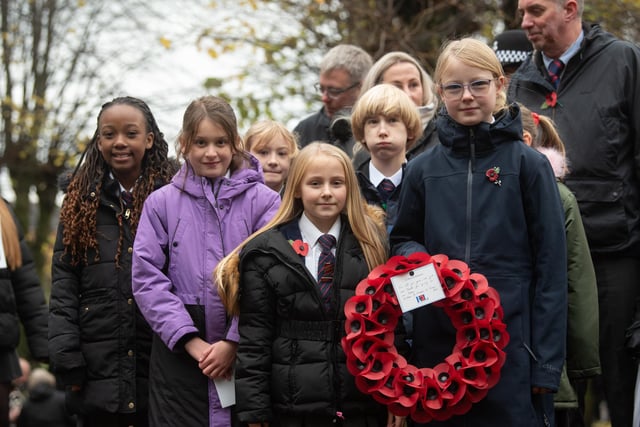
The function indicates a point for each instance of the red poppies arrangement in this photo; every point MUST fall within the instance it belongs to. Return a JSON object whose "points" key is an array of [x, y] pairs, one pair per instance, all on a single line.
{"points": [[462, 378]]}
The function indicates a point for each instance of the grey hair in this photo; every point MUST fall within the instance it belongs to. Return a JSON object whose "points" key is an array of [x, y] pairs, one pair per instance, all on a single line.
{"points": [[580, 4], [353, 59]]}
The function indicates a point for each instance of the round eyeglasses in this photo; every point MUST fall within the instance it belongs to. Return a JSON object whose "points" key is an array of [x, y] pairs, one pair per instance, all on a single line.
{"points": [[333, 92], [453, 91]]}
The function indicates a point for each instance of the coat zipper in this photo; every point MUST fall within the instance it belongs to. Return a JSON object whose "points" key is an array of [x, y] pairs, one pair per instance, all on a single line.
{"points": [[216, 208], [470, 169]]}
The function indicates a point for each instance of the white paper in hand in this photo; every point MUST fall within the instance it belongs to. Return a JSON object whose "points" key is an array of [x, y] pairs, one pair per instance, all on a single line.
{"points": [[226, 390]]}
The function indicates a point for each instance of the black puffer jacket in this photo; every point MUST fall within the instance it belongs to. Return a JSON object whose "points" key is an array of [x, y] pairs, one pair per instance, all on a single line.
{"points": [[97, 337], [21, 300], [290, 361]]}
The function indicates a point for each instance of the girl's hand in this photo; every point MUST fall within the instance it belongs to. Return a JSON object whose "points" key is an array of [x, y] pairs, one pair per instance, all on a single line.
{"points": [[394, 420], [196, 347], [217, 360]]}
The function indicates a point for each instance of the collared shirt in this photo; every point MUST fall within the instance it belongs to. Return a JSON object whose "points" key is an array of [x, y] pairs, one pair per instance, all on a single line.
{"points": [[376, 177], [122, 189], [568, 54], [310, 235]]}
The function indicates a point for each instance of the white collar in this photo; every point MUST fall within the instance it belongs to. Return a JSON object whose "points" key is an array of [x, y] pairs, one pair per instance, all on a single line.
{"points": [[310, 232], [376, 177], [122, 189], [568, 54]]}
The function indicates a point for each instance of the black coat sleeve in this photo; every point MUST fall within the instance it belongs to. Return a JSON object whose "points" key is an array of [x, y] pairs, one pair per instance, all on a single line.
{"points": [[30, 301], [256, 328]]}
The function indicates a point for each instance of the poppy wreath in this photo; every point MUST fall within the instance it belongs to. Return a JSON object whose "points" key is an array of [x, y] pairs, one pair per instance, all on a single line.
{"points": [[462, 378]]}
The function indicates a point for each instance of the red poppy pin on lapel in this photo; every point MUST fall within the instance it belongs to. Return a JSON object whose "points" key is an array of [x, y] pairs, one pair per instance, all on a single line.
{"points": [[550, 101], [300, 247], [493, 175]]}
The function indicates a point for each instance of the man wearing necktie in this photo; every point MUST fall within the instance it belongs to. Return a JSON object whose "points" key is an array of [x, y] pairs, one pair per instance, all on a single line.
{"points": [[596, 109], [555, 71]]}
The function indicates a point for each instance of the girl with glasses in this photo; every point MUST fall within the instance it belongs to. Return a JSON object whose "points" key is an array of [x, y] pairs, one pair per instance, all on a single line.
{"points": [[482, 196]]}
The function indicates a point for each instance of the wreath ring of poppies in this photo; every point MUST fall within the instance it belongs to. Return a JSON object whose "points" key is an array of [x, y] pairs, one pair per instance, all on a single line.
{"points": [[462, 378]]}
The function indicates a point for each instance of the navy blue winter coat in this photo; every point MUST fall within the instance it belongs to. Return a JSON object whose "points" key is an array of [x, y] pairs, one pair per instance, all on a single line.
{"points": [[513, 233]]}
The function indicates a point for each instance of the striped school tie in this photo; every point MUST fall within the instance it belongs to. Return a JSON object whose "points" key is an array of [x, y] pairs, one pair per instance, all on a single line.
{"points": [[326, 265]]}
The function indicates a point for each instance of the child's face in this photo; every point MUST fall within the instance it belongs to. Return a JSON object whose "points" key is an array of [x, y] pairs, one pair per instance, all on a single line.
{"points": [[123, 140], [275, 159], [210, 154], [323, 191], [405, 76], [469, 108], [385, 137]]}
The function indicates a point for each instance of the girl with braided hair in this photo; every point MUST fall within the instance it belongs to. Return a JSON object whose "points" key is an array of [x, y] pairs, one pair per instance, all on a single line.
{"points": [[99, 341]]}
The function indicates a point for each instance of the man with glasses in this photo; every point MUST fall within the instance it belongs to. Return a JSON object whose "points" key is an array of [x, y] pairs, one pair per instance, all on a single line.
{"points": [[588, 81], [341, 72]]}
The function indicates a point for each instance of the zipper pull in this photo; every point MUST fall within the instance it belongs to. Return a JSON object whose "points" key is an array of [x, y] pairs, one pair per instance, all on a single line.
{"points": [[127, 213]]}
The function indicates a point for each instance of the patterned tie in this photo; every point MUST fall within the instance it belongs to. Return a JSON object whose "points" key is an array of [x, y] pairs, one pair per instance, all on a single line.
{"points": [[127, 198], [326, 264], [385, 188], [555, 70]]}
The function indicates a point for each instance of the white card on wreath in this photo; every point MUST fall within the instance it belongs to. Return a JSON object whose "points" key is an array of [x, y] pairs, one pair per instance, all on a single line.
{"points": [[417, 288]]}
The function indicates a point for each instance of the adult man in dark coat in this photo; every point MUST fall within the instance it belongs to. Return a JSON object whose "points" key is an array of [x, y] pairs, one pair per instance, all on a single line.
{"points": [[341, 73], [593, 94]]}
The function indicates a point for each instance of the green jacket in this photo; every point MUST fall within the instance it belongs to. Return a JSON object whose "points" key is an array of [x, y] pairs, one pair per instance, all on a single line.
{"points": [[583, 359]]}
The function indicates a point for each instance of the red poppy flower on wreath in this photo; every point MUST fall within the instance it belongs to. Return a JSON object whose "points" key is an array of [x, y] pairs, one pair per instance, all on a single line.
{"points": [[493, 175], [300, 247], [550, 101], [462, 378]]}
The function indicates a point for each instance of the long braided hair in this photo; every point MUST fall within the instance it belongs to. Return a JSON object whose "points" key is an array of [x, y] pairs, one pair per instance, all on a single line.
{"points": [[79, 208]]}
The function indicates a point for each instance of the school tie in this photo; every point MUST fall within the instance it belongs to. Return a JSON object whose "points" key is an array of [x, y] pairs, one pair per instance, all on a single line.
{"points": [[326, 265], [385, 188], [127, 198], [555, 70]]}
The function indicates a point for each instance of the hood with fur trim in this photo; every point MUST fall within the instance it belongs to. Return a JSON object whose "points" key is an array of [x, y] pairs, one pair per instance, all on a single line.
{"points": [[557, 160]]}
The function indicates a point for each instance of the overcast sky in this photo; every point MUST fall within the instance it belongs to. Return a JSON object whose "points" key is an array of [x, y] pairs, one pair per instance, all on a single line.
{"points": [[173, 77]]}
